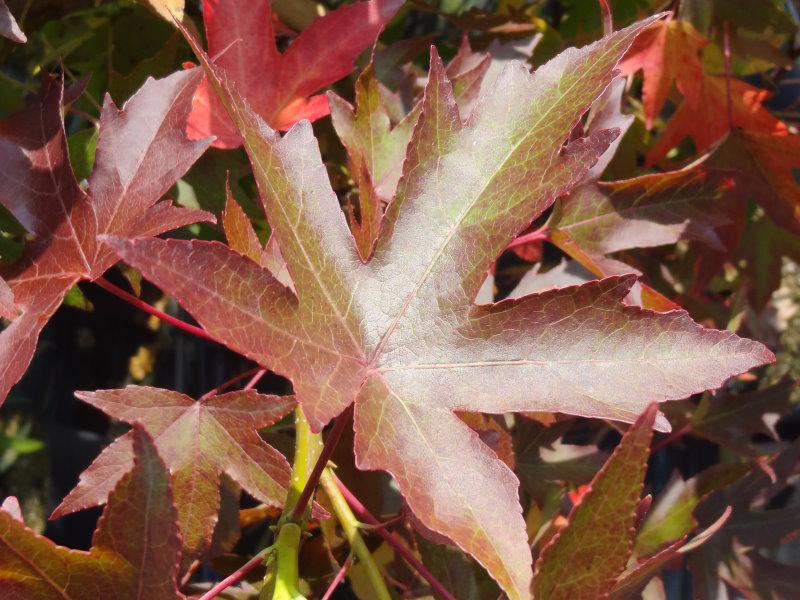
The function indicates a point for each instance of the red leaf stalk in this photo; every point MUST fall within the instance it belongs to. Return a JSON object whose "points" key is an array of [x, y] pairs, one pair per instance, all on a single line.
{"points": [[223, 585], [152, 310], [338, 579]]}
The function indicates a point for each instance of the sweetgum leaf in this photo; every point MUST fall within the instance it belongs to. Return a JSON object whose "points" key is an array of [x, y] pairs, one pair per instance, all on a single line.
{"points": [[279, 85], [400, 335], [585, 559], [199, 441], [141, 151], [135, 548]]}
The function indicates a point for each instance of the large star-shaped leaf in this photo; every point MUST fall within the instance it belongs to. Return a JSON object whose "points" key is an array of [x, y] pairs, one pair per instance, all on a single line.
{"points": [[279, 85], [134, 552], [400, 335], [142, 150], [198, 440]]}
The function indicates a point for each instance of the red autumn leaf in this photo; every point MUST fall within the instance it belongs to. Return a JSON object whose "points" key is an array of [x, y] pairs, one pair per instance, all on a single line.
{"points": [[141, 152], [667, 53], [199, 441], [400, 335], [706, 121], [600, 525], [279, 85], [135, 549], [8, 25]]}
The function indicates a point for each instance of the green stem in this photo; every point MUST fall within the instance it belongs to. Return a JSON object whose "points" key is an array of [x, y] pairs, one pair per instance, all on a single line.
{"points": [[350, 527], [307, 448], [287, 577], [282, 574]]}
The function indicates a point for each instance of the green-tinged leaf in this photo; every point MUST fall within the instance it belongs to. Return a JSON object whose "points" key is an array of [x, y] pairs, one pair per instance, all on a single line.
{"points": [[199, 441], [672, 515], [585, 559], [135, 549], [631, 583], [82, 147]]}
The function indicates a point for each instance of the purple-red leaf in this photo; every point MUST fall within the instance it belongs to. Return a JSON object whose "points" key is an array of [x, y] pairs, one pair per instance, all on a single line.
{"points": [[142, 150], [400, 335], [199, 441], [135, 549]]}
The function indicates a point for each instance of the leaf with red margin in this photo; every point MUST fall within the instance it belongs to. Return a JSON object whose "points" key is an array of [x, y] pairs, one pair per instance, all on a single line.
{"points": [[586, 557], [9, 27], [135, 549], [667, 53], [766, 163], [199, 441], [142, 150], [279, 85], [400, 335]]}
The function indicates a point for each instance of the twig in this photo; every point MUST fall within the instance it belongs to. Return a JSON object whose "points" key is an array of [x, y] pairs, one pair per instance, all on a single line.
{"points": [[338, 579], [322, 461], [255, 379], [152, 310], [726, 50], [364, 515], [238, 574]]}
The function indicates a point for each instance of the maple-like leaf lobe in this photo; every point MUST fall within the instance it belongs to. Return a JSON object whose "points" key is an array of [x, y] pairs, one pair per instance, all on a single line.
{"points": [[142, 150]]}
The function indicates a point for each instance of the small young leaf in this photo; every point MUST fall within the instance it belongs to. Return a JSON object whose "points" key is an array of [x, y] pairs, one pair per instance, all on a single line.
{"points": [[199, 441]]}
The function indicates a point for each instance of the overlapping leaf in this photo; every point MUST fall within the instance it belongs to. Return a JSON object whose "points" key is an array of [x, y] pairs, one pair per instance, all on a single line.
{"points": [[667, 53], [141, 152], [199, 441], [400, 335], [585, 559], [134, 553], [279, 85], [650, 210]]}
